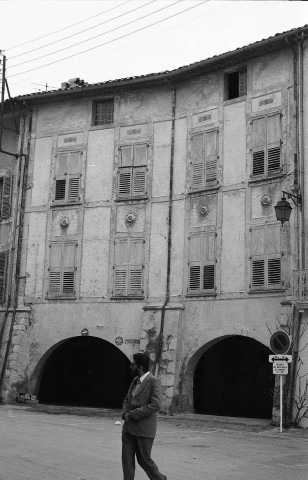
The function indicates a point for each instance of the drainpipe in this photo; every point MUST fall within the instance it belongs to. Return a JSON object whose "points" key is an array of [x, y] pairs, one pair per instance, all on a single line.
{"points": [[163, 310], [300, 149], [17, 243]]}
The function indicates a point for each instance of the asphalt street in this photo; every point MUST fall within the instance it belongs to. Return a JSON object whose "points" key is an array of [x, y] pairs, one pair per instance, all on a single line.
{"points": [[43, 446]]}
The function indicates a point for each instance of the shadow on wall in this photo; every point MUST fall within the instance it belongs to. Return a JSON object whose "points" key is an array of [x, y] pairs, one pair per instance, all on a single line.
{"points": [[85, 371], [234, 378]]}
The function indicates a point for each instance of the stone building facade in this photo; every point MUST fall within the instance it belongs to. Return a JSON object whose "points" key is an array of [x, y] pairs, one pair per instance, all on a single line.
{"points": [[149, 225]]}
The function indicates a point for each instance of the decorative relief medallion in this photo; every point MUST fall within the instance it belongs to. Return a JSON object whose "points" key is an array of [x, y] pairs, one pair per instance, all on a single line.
{"points": [[203, 210], [266, 201], [64, 222], [130, 218]]}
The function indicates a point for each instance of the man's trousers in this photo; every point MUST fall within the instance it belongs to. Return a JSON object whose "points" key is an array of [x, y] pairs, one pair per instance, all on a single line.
{"points": [[141, 448]]}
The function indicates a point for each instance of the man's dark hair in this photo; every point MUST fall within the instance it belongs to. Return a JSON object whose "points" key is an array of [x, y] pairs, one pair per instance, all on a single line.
{"points": [[142, 360]]}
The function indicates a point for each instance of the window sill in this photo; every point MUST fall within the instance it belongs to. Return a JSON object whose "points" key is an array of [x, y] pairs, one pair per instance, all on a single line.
{"points": [[208, 188], [128, 199], [65, 203], [264, 179], [127, 297], [197, 295], [60, 297], [235, 100], [102, 127], [266, 290]]}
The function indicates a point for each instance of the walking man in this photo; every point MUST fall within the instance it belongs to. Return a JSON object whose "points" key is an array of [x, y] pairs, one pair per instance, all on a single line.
{"points": [[140, 408]]}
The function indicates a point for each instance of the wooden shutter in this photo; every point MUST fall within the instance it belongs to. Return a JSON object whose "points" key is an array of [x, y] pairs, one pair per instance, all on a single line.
{"points": [[194, 281], [68, 265], [124, 182], [55, 269], [121, 267], [68, 176], [140, 155], [135, 266], [211, 155], [139, 181], [197, 159], [258, 146], [273, 143], [242, 82], [3, 266], [6, 197], [258, 258], [273, 250], [208, 259]]}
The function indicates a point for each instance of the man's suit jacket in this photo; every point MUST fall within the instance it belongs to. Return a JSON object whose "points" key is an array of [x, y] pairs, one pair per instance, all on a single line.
{"points": [[142, 407]]}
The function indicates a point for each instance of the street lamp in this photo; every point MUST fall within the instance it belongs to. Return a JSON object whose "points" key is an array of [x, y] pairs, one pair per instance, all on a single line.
{"points": [[283, 208]]}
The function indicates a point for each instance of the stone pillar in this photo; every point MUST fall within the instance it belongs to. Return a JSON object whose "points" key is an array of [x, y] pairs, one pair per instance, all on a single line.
{"points": [[15, 378]]}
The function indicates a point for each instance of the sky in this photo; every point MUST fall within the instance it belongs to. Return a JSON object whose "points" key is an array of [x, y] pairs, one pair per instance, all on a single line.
{"points": [[52, 41]]}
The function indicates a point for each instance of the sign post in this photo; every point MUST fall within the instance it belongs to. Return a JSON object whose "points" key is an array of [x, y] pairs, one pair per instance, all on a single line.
{"points": [[280, 343]]}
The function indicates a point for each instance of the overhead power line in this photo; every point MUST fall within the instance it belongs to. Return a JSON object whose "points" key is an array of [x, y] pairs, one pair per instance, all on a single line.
{"points": [[99, 35], [69, 26], [110, 41], [81, 31]]}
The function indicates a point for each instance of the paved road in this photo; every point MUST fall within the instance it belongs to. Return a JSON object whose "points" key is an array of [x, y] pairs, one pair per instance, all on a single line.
{"points": [[41, 446]]}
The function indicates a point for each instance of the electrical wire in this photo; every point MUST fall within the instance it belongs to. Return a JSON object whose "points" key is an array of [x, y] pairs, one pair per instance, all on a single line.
{"points": [[69, 26], [110, 41], [96, 36], [81, 31]]}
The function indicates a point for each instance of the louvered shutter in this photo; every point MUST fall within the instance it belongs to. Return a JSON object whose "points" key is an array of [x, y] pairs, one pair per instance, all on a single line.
{"points": [[6, 197], [258, 258], [211, 155], [273, 249], [68, 273], [197, 159], [61, 176], [139, 181], [3, 265], [194, 281], [208, 259], [121, 267], [258, 146], [73, 173], [55, 269], [135, 266], [273, 143], [124, 182]]}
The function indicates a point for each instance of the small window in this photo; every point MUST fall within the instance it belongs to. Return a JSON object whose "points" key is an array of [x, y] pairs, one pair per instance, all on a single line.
{"points": [[128, 267], [67, 184], [204, 157], [3, 268], [132, 171], [266, 146], [236, 84], [266, 257], [103, 112], [62, 266], [5, 197], [201, 265]]}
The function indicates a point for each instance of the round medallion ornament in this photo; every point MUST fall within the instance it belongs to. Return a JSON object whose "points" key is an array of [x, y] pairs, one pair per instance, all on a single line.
{"points": [[266, 201], [130, 218], [64, 222], [203, 210], [118, 341]]}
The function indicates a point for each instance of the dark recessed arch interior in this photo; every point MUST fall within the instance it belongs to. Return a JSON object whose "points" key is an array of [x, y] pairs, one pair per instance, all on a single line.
{"points": [[234, 378], [85, 371]]}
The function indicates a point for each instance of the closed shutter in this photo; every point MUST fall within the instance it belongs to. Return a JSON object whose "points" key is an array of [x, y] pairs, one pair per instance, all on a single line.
{"points": [[68, 262], [197, 159], [135, 266], [132, 171], [125, 172], [273, 143], [266, 257], [68, 170], [3, 266], [258, 146], [139, 181], [194, 280], [121, 267], [208, 262], [273, 256], [258, 257], [211, 155], [128, 267], [62, 268], [55, 268], [6, 197]]}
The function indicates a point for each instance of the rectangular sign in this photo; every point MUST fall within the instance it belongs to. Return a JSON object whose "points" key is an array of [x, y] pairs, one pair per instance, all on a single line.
{"points": [[280, 368], [280, 358]]}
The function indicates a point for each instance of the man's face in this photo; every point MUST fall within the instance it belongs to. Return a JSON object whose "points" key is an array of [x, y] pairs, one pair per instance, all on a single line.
{"points": [[134, 369]]}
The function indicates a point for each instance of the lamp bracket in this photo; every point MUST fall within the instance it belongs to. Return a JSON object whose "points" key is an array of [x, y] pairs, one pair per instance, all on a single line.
{"points": [[297, 199]]}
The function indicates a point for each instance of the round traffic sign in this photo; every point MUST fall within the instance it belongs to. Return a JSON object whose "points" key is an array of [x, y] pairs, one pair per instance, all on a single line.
{"points": [[280, 342]]}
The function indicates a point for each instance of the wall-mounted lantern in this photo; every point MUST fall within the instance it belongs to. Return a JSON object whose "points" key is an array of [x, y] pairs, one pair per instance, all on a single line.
{"points": [[283, 208]]}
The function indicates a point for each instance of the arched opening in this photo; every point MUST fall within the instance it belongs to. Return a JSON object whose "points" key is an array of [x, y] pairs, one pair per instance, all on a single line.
{"points": [[234, 378], [85, 371]]}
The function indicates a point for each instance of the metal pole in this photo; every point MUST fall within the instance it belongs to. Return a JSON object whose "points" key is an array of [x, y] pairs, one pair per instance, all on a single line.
{"points": [[280, 403]]}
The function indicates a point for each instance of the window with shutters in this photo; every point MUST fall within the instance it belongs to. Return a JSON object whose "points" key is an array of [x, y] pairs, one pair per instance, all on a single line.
{"points": [[132, 172], [236, 84], [201, 264], [103, 112], [5, 196], [204, 157], [266, 146], [128, 267], [62, 269], [3, 269], [265, 257], [67, 180]]}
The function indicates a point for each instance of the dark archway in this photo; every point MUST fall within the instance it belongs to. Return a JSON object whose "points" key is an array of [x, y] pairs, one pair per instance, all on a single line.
{"points": [[234, 378], [85, 371]]}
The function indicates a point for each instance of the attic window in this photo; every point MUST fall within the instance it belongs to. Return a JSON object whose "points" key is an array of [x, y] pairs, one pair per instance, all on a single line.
{"points": [[103, 112], [236, 84]]}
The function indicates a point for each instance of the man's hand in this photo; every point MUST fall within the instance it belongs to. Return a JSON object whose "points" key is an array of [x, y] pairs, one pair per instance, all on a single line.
{"points": [[126, 416]]}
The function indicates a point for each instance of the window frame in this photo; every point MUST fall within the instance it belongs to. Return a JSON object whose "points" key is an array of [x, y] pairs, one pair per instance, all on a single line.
{"points": [[202, 264], [240, 71], [132, 180], [95, 104], [128, 272], [205, 165], [71, 181], [62, 270]]}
